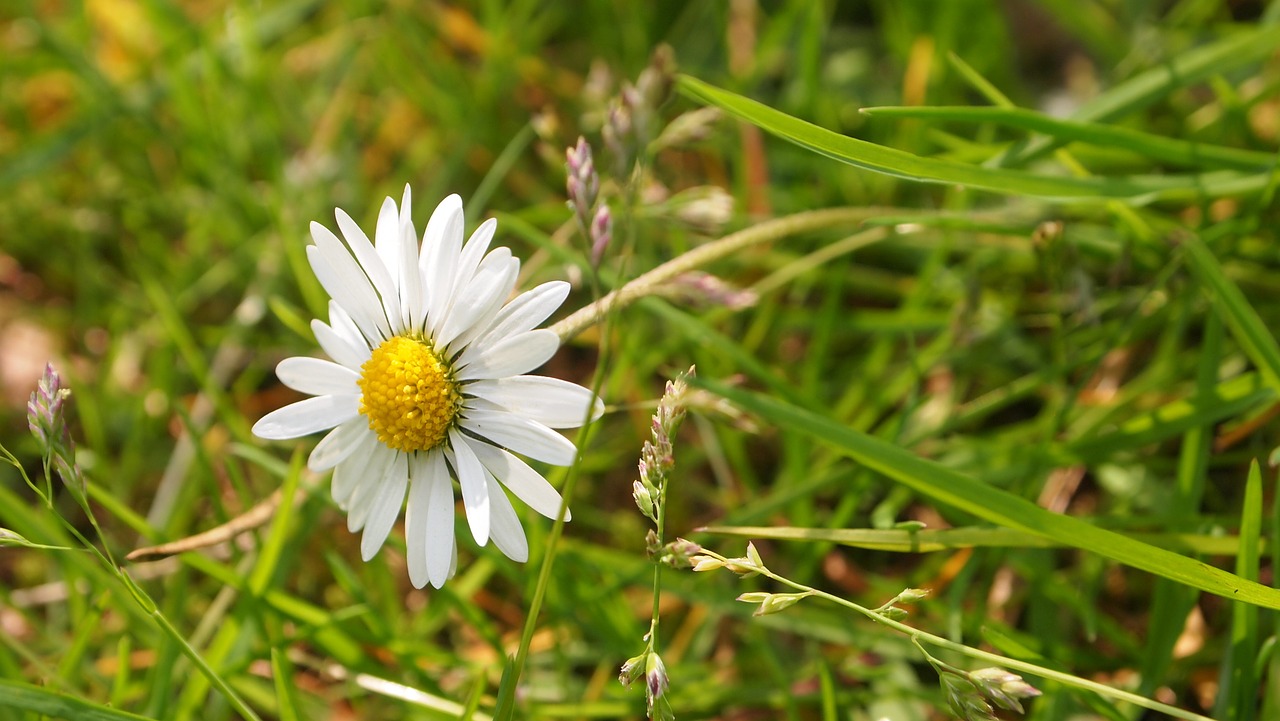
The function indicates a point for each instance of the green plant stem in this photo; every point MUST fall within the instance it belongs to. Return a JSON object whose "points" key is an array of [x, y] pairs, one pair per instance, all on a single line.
{"points": [[557, 529], [660, 520], [648, 283], [918, 636]]}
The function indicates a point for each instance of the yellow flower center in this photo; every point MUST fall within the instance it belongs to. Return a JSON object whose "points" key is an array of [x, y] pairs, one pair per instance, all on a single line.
{"points": [[408, 394]]}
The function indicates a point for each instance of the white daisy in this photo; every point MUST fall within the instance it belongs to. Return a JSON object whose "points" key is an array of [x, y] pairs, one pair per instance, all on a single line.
{"points": [[428, 386]]}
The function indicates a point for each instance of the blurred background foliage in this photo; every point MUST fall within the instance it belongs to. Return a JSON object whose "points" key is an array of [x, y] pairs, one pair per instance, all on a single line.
{"points": [[160, 163]]}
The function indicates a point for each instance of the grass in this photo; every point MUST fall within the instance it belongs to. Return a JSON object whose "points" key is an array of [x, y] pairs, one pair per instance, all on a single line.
{"points": [[1052, 334]]}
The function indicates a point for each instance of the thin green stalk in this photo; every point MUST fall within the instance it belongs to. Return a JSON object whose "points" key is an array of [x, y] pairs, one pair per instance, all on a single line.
{"points": [[553, 545], [648, 283], [144, 601], [916, 635], [661, 522]]}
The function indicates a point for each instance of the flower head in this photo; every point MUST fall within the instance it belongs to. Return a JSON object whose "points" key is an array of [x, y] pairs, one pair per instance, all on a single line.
{"points": [[428, 385]]}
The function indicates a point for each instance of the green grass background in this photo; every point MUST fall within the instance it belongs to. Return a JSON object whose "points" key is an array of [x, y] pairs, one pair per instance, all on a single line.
{"points": [[160, 162]]}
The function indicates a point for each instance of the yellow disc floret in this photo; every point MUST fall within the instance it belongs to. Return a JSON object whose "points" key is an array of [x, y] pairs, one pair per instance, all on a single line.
{"points": [[408, 395]]}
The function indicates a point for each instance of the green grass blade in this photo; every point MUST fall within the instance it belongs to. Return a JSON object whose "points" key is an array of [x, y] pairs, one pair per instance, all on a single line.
{"points": [[901, 164], [1226, 400], [1238, 695], [928, 540], [286, 691], [1245, 323], [269, 559], [36, 699], [1172, 602], [1156, 147], [959, 491], [1180, 71]]}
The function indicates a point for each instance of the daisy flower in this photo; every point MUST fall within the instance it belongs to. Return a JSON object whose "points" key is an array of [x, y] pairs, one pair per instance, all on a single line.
{"points": [[428, 385]]}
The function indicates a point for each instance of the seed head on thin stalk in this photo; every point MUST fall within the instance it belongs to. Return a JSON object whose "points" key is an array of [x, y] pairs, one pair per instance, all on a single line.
{"points": [[657, 460], [46, 417], [583, 182]]}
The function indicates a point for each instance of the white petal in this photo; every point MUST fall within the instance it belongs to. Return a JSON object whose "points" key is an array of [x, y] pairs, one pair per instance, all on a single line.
{"points": [[342, 324], [475, 494], [522, 436], [527, 484], [386, 506], [441, 246], [372, 263], [483, 322], [368, 491], [441, 552], [355, 279], [388, 244], [527, 310], [337, 347], [508, 534], [349, 287], [412, 290], [317, 377], [474, 250], [307, 417], [483, 296], [512, 356], [350, 473], [416, 537], [549, 401], [338, 445]]}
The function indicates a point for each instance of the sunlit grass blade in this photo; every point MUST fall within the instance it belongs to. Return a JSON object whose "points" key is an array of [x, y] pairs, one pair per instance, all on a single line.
{"points": [[286, 691], [1171, 602], [35, 699], [931, 540], [1245, 323], [901, 164], [969, 495], [1226, 400], [1238, 693], [1156, 147], [1178, 71]]}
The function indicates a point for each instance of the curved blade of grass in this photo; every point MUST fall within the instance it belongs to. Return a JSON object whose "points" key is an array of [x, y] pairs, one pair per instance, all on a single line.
{"points": [[1245, 323], [959, 491], [1226, 400], [901, 164], [929, 541], [1178, 72], [1237, 697], [1156, 147], [36, 699]]}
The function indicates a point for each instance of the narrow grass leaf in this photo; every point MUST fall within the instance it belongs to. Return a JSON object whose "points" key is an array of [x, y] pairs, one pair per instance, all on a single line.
{"points": [[1156, 147], [269, 558], [966, 494], [286, 688], [506, 705], [1245, 323], [1238, 695], [36, 699], [1179, 71], [1171, 602], [929, 541], [901, 164], [1226, 400]]}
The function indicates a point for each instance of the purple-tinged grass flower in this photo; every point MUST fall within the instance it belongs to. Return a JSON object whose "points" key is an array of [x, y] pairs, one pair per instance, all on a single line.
{"points": [[46, 417], [601, 233]]}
